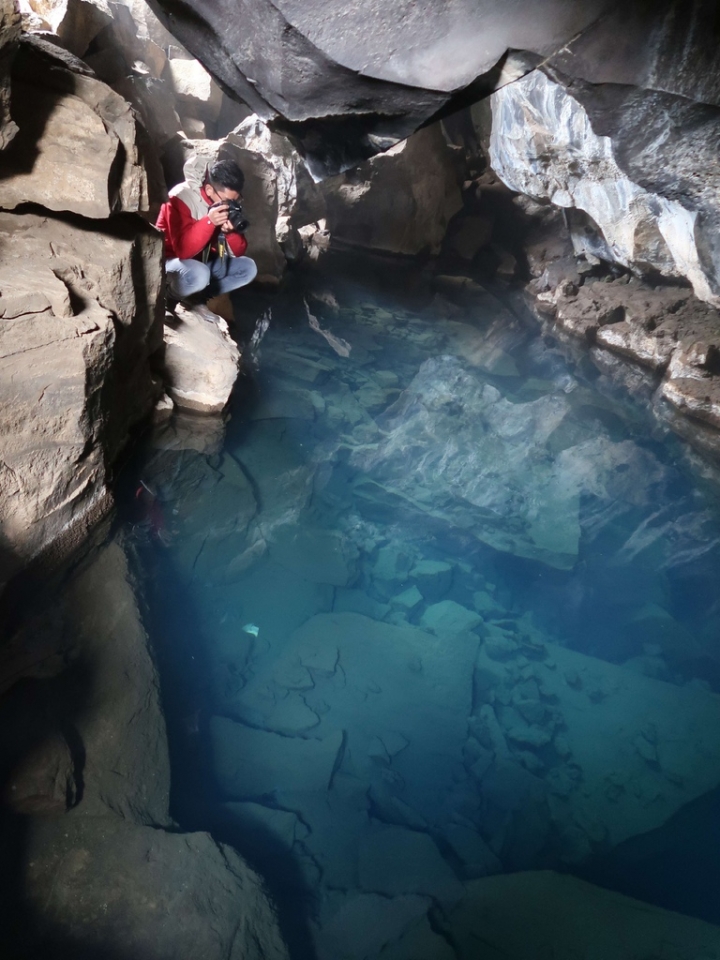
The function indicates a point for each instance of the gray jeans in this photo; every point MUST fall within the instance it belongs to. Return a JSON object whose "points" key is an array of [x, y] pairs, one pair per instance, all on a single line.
{"points": [[186, 277]]}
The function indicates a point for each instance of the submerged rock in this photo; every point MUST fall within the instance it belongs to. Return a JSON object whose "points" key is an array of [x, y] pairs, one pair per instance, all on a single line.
{"points": [[455, 451], [537, 914]]}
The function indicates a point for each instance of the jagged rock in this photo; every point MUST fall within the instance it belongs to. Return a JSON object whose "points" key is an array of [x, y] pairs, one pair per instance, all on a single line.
{"points": [[74, 373], [653, 200], [400, 201], [199, 96], [201, 360], [537, 914], [41, 165], [433, 578], [97, 883], [9, 34]]}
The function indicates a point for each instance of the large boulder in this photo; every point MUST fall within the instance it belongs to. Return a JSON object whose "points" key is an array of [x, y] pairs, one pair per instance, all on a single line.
{"points": [[201, 360], [102, 884], [639, 165], [80, 318], [41, 165], [400, 201], [346, 92]]}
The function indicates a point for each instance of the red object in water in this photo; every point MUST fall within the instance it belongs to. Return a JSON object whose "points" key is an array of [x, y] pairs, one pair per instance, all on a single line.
{"points": [[150, 511]]}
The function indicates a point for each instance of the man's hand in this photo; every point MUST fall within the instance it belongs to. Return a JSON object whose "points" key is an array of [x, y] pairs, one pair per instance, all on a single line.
{"points": [[218, 215], [227, 227]]}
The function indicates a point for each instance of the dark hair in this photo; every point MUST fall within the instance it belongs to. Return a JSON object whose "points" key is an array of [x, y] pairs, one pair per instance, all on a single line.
{"points": [[226, 173]]}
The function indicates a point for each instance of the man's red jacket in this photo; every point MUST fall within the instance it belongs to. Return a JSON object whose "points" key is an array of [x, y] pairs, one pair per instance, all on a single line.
{"points": [[184, 221]]}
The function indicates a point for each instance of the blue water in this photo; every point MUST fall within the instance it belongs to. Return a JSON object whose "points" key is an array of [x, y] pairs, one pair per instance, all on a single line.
{"points": [[438, 610]]}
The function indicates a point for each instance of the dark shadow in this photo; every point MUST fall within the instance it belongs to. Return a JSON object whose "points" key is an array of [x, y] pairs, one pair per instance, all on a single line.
{"points": [[648, 867]]}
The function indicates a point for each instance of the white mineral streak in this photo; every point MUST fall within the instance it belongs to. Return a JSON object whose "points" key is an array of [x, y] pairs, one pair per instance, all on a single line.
{"points": [[543, 145]]}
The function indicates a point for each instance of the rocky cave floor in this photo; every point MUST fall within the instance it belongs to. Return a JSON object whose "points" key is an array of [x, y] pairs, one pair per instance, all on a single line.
{"points": [[385, 683]]}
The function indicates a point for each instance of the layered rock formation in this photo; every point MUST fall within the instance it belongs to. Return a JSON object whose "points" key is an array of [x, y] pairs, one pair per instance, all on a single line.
{"points": [[85, 766], [79, 299]]}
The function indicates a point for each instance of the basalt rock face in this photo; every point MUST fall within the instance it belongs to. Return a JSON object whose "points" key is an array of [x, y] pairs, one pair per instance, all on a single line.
{"points": [[400, 201], [9, 32], [80, 148], [346, 92], [79, 308], [639, 165], [80, 288]]}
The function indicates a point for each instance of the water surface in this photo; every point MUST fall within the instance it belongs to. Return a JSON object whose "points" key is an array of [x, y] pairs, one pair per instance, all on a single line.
{"points": [[437, 610]]}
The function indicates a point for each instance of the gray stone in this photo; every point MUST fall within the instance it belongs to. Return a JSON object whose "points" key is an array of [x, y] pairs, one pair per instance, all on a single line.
{"points": [[92, 283], [65, 95], [564, 917], [98, 882], [433, 578], [396, 862], [250, 764], [449, 617], [347, 92], [400, 201]]}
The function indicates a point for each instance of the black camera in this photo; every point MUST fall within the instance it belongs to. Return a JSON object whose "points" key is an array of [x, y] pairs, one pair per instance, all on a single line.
{"points": [[235, 214]]}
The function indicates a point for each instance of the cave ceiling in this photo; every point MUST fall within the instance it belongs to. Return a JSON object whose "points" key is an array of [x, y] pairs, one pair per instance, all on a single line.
{"points": [[349, 79]]}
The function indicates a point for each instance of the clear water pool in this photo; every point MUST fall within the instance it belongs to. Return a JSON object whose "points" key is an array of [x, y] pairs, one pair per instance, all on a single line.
{"points": [[440, 609]]}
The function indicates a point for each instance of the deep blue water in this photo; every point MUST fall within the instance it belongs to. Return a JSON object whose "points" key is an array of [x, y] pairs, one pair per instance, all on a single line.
{"points": [[438, 610]]}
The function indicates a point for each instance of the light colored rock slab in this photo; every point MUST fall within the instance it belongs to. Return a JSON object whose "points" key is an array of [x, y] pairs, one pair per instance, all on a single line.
{"points": [[201, 360], [532, 915], [449, 617], [366, 923], [250, 763], [395, 862]]}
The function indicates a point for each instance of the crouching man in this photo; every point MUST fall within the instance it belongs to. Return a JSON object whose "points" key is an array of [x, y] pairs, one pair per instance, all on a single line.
{"points": [[204, 228]]}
